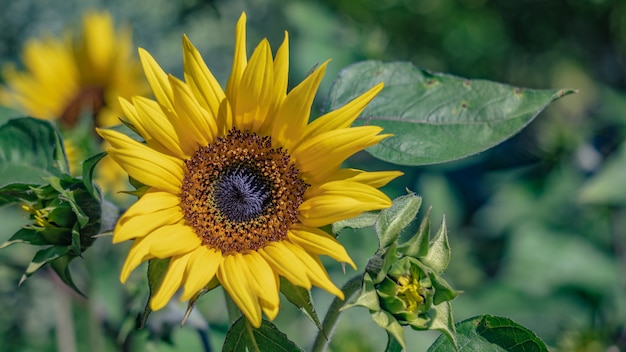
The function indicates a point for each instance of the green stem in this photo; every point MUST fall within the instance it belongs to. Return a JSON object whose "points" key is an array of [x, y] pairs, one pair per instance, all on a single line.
{"points": [[231, 307], [64, 321], [332, 316]]}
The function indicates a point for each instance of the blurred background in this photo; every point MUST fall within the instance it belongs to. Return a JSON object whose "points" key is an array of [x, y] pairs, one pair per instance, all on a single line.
{"points": [[537, 224]]}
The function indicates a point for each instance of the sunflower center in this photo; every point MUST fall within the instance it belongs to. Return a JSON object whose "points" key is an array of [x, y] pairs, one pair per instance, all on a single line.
{"points": [[239, 194]]}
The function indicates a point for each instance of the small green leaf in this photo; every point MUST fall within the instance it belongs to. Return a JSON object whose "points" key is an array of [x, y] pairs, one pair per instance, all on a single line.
{"points": [[417, 246], [156, 270], [89, 166], [42, 258], [438, 255], [301, 298], [28, 236], [27, 151], [489, 333], [364, 220], [366, 297], [395, 218], [386, 321], [242, 336], [436, 117], [443, 290]]}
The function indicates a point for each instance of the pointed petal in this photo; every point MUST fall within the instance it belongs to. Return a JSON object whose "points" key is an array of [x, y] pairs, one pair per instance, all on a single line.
{"points": [[240, 59], [339, 200], [157, 79], [144, 163], [171, 282], [194, 119], [234, 275], [173, 240], [315, 270], [319, 157], [281, 76], [285, 263], [200, 79], [254, 95], [201, 269], [318, 242], [293, 115], [342, 117], [152, 210], [263, 276], [375, 179], [139, 252]]}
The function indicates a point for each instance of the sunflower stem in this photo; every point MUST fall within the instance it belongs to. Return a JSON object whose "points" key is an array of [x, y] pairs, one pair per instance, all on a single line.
{"points": [[231, 308], [332, 315]]}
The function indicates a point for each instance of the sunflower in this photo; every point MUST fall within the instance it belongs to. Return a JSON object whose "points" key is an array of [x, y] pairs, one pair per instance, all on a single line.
{"points": [[81, 73], [239, 182]]}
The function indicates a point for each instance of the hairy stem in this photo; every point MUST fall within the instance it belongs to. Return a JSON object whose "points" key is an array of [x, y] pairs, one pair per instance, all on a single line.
{"points": [[332, 316]]}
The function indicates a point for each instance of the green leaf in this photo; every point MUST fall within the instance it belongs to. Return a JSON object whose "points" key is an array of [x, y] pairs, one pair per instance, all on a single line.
{"points": [[301, 298], [156, 271], [267, 337], [395, 218], [42, 258], [605, 187], [445, 323], [89, 166], [417, 246], [28, 236], [27, 152], [438, 255], [364, 220], [436, 117], [489, 333]]}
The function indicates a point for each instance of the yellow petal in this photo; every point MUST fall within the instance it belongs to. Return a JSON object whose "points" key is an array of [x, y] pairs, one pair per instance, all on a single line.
{"points": [[144, 163], [194, 119], [200, 79], [152, 210], [254, 95], [315, 270], [319, 157], [138, 253], [174, 240], [342, 117], [339, 200], [375, 179], [171, 282], [318, 242], [157, 79], [201, 269], [240, 59], [261, 273], [293, 115], [285, 263], [234, 278]]}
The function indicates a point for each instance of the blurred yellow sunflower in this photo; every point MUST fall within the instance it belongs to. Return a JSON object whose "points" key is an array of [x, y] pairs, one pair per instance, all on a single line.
{"points": [[81, 73], [239, 181]]}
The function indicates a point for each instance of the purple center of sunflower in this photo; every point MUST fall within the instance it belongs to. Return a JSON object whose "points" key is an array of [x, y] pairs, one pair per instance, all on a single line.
{"points": [[239, 194]]}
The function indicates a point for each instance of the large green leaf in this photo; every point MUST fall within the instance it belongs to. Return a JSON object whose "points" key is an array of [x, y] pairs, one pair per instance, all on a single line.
{"points": [[436, 117], [242, 336], [27, 151], [489, 333]]}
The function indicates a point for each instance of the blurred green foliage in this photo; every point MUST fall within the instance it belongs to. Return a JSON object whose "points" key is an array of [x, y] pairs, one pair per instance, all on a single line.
{"points": [[529, 240]]}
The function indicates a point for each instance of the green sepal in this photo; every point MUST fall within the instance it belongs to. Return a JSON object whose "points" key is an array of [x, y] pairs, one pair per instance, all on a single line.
{"points": [[89, 166], [438, 255], [394, 219], [367, 297], [17, 192], [192, 301], [443, 291], [417, 246], [444, 322], [366, 219], [301, 298], [392, 344], [42, 258], [26, 235], [156, 271], [61, 267], [386, 321], [242, 336]]}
